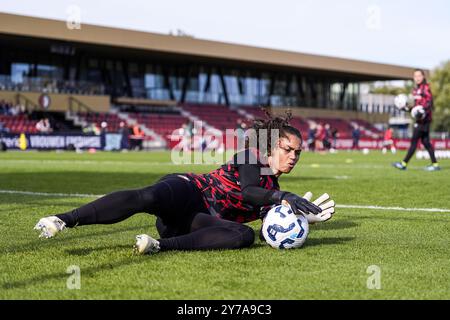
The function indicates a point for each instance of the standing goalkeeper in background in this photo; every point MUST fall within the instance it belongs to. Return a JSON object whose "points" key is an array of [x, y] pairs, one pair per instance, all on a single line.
{"points": [[422, 97]]}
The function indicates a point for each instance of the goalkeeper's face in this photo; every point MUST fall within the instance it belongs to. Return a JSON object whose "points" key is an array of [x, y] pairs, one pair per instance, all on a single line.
{"points": [[418, 77], [286, 154]]}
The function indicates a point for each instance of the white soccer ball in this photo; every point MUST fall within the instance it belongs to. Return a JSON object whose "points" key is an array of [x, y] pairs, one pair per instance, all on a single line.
{"points": [[400, 101], [418, 112], [282, 229]]}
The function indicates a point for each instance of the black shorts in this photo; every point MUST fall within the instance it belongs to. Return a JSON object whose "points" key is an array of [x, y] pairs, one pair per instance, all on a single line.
{"points": [[178, 201], [422, 127], [421, 131]]}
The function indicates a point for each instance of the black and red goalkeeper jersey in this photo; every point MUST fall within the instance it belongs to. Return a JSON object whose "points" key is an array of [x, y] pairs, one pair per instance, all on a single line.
{"points": [[237, 191], [423, 97]]}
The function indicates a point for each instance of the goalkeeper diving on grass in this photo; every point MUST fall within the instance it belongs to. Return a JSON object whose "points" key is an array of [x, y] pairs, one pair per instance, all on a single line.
{"points": [[208, 211]]}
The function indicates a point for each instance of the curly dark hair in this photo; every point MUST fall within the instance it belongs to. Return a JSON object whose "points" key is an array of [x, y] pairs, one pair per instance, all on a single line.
{"points": [[266, 127]]}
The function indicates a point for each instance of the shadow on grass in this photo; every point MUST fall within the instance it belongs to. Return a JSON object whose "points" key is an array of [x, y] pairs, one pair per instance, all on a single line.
{"points": [[327, 241], [89, 250], [89, 271], [72, 182], [334, 225], [131, 260], [44, 243], [297, 179], [311, 242]]}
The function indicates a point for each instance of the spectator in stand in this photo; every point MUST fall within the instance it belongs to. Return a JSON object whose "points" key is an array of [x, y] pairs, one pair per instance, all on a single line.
{"points": [[3, 129], [388, 141], [103, 131], [335, 136], [312, 136], [91, 129], [356, 135], [18, 109], [43, 126], [14, 111], [320, 136], [104, 127], [240, 130], [188, 132], [21, 108], [96, 129], [137, 138], [125, 132], [327, 136], [3, 107], [10, 108], [86, 129]]}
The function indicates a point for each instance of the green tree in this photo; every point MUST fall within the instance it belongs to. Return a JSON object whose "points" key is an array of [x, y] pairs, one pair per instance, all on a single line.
{"points": [[440, 86], [390, 90]]}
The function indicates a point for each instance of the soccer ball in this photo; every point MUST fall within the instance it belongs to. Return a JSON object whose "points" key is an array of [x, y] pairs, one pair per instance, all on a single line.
{"points": [[282, 229], [400, 101], [418, 112]]}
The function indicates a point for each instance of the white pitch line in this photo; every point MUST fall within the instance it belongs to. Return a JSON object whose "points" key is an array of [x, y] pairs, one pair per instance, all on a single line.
{"points": [[348, 206], [149, 164], [87, 162], [47, 194]]}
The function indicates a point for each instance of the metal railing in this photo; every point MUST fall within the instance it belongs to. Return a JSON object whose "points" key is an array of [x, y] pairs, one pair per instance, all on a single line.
{"points": [[76, 106], [50, 85], [25, 101]]}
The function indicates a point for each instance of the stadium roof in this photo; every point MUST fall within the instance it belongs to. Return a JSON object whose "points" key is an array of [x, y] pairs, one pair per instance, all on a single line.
{"points": [[32, 27]]}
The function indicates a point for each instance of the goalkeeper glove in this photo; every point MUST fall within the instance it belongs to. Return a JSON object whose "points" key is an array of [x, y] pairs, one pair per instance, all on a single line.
{"points": [[299, 204], [327, 208]]}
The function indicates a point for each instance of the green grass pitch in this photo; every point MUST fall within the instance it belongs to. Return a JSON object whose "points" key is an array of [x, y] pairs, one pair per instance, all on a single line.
{"points": [[410, 248]]}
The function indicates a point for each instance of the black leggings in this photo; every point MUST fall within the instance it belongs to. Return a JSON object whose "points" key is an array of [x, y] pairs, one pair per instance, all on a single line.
{"points": [[182, 219], [421, 132]]}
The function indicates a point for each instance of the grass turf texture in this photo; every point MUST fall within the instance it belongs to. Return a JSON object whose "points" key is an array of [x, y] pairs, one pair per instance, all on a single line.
{"points": [[411, 248]]}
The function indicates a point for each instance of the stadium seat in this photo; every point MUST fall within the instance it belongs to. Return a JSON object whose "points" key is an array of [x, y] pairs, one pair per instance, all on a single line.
{"points": [[18, 124]]}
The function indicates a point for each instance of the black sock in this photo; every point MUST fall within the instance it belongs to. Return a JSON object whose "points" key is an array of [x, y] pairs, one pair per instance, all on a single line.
{"points": [[112, 208]]}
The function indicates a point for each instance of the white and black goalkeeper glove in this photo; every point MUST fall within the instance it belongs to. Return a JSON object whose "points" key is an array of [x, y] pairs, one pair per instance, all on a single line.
{"points": [[299, 204], [296, 203], [323, 203]]}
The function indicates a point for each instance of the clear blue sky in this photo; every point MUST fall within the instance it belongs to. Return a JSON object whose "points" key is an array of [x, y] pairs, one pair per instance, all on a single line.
{"points": [[412, 33]]}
